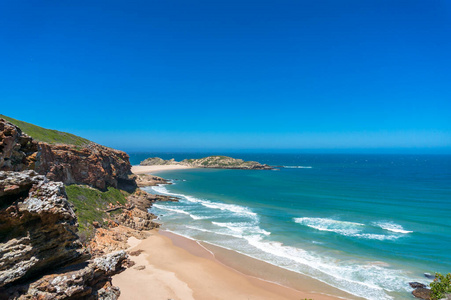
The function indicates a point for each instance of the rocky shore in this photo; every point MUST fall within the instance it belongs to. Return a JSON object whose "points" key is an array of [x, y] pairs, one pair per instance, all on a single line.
{"points": [[43, 254], [215, 162]]}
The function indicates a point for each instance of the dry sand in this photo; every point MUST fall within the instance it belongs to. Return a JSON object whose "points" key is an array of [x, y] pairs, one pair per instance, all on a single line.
{"points": [[156, 168], [179, 268]]}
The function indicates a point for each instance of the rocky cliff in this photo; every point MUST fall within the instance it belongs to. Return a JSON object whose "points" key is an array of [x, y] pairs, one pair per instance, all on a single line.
{"points": [[28, 198], [216, 162], [91, 164], [38, 236]]}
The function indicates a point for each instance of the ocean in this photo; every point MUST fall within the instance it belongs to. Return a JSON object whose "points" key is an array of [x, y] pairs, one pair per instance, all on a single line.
{"points": [[365, 224]]}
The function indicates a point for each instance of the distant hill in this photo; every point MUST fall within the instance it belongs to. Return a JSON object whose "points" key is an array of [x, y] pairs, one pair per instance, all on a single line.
{"points": [[48, 135]]}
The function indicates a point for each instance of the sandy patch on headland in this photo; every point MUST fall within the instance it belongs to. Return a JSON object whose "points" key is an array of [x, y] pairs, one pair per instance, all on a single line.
{"points": [[156, 168], [167, 271]]}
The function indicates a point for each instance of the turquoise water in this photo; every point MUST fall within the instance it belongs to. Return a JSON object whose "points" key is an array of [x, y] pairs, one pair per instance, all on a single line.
{"points": [[367, 224]]}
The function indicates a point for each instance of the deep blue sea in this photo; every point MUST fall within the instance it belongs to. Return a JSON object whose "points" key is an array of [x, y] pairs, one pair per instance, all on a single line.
{"points": [[366, 224]]}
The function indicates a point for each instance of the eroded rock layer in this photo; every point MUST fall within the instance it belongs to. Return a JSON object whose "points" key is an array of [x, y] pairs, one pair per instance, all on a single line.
{"points": [[95, 165], [37, 226]]}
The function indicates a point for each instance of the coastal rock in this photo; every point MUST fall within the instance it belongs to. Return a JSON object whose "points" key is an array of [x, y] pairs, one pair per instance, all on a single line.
{"points": [[89, 280], [216, 162], [93, 164], [17, 150], [37, 226], [422, 293], [137, 219], [143, 180], [143, 200], [97, 166], [417, 285]]}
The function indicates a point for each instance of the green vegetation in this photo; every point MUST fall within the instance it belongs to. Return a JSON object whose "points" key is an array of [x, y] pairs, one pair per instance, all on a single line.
{"points": [[48, 135], [440, 286], [90, 205]]}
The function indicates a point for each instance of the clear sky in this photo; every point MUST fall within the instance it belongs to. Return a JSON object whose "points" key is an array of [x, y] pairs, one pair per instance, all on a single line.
{"points": [[177, 75]]}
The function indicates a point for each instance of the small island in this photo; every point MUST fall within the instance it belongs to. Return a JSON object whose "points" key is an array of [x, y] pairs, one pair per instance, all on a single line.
{"points": [[214, 162]]}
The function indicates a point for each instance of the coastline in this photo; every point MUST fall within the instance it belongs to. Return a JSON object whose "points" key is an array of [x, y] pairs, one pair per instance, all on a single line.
{"points": [[137, 169], [171, 266]]}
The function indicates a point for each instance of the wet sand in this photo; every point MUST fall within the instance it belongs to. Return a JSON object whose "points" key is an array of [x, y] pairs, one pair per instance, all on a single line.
{"points": [[174, 267]]}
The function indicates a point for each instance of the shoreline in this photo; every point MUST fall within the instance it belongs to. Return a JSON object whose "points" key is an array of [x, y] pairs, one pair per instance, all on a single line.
{"points": [[171, 266], [262, 276], [137, 169]]}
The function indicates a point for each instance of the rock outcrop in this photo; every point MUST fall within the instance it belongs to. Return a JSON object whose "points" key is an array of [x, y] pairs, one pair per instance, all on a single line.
{"points": [[143, 180], [17, 150], [215, 162], [95, 165], [41, 256], [37, 226], [90, 280]]}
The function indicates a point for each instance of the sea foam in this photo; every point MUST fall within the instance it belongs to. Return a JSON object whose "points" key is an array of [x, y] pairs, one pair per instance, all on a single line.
{"points": [[297, 167], [345, 228], [236, 209], [390, 226]]}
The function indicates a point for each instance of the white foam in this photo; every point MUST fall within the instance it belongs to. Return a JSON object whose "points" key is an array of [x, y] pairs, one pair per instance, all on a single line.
{"points": [[368, 281], [351, 229], [297, 167], [390, 226], [179, 211], [238, 236], [325, 224], [237, 209], [243, 227]]}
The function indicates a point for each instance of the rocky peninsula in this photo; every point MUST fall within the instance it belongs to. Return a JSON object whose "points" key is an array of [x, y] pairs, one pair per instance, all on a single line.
{"points": [[214, 162]]}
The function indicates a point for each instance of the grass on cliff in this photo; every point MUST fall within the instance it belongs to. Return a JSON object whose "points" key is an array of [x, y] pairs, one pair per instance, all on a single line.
{"points": [[90, 205], [48, 135]]}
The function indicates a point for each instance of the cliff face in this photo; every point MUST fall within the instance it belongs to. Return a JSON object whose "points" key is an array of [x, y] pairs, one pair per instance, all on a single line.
{"points": [[37, 226], [94, 165], [38, 235]]}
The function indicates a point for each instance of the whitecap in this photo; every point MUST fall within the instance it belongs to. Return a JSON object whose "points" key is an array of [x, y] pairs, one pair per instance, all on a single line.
{"points": [[345, 228], [242, 227], [179, 211], [297, 167], [237, 209], [390, 226]]}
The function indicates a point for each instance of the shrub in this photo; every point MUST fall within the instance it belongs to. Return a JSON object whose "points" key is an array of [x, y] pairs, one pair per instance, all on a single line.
{"points": [[440, 286]]}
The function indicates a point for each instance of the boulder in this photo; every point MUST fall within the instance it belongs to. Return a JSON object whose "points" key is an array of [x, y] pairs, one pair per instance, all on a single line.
{"points": [[422, 293], [416, 285]]}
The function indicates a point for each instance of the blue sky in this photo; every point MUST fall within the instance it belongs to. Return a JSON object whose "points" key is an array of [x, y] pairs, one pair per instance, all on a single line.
{"points": [[178, 75]]}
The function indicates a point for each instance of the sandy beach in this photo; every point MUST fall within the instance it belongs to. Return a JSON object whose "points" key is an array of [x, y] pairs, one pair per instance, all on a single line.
{"points": [[174, 267], [156, 168]]}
